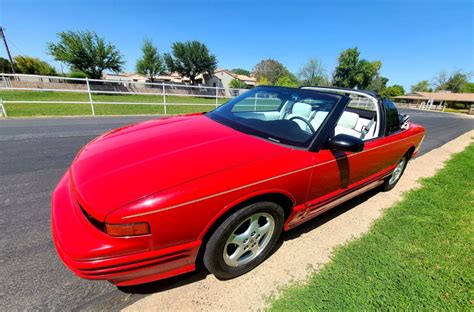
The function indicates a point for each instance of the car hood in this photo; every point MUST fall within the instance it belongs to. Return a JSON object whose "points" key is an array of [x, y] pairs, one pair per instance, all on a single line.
{"points": [[132, 162]]}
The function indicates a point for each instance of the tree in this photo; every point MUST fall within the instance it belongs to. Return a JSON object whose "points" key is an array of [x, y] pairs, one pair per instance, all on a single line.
{"points": [[366, 73], [457, 81], [288, 80], [422, 86], [439, 82], [32, 66], [378, 84], [237, 84], [393, 91], [346, 70], [453, 82], [87, 52], [240, 71], [263, 81], [468, 88], [190, 59], [313, 73], [150, 64], [270, 70], [353, 72], [5, 66]]}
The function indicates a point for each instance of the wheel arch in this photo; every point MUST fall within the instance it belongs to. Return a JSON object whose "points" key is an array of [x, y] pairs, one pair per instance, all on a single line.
{"points": [[280, 197], [410, 152]]}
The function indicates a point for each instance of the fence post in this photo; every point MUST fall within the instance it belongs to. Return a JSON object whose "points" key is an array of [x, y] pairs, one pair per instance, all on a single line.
{"points": [[3, 111], [90, 96], [6, 81], [164, 97], [217, 94]]}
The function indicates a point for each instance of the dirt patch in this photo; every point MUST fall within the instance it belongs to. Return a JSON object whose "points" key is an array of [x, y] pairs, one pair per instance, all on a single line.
{"points": [[304, 250]]}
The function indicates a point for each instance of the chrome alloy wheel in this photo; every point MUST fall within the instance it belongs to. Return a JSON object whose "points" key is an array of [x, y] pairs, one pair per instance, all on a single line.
{"points": [[249, 239], [397, 173]]}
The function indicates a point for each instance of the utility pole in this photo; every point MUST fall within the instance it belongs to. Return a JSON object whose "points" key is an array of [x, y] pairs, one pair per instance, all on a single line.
{"points": [[8, 50]]}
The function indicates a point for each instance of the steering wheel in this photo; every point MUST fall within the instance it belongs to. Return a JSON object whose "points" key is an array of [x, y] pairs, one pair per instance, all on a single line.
{"points": [[310, 126]]}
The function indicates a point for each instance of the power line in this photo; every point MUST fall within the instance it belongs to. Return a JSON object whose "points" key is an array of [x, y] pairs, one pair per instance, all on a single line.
{"points": [[2, 34], [15, 46]]}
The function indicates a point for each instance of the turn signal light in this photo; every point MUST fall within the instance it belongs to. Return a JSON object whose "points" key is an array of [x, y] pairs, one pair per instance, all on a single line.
{"points": [[131, 229]]}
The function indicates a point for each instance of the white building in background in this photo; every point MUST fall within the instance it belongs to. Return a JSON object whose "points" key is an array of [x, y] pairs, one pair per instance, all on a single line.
{"points": [[221, 78], [133, 77], [437, 98], [125, 77]]}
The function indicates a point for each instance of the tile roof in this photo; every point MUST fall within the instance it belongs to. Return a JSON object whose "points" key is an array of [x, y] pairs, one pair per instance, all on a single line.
{"points": [[439, 96]]}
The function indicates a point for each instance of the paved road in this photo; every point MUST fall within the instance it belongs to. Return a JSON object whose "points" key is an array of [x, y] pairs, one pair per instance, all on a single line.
{"points": [[33, 156], [440, 127]]}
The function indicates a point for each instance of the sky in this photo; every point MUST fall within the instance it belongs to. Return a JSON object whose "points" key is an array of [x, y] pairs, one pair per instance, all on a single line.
{"points": [[413, 39]]}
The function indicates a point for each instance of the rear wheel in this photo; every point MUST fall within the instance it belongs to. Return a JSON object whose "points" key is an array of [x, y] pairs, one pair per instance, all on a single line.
{"points": [[244, 240], [397, 173]]}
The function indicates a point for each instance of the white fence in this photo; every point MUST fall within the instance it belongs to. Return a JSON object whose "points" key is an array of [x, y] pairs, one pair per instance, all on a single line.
{"points": [[429, 105], [163, 91]]}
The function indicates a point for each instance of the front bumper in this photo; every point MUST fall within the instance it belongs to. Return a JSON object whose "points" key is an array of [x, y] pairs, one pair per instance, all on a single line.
{"points": [[92, 254]]}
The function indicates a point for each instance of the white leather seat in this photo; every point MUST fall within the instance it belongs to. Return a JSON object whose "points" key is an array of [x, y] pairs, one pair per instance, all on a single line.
{"points": [[302, 110], [348, 120], [347, 124], [318, 119]]}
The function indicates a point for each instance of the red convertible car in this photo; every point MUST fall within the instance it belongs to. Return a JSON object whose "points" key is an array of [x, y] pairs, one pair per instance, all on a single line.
{"points": [[149, 200]]}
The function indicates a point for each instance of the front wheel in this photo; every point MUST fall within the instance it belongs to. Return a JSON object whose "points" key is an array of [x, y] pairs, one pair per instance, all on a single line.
{"points": [[397, 173], [244, 240]]}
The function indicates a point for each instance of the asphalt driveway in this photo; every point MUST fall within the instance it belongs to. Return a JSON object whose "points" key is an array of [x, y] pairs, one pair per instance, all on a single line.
{"points": [[34, 153]]}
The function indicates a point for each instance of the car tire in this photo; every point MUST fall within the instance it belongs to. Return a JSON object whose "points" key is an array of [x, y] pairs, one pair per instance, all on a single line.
{"points": [[390, 182], [244, 240]]}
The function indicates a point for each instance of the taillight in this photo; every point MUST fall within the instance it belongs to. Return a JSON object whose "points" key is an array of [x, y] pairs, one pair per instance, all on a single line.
{"points": [[131, 229]]}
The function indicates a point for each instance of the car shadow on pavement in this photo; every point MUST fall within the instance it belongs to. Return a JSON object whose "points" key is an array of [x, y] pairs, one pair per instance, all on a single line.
{"points": [[201, 272]]}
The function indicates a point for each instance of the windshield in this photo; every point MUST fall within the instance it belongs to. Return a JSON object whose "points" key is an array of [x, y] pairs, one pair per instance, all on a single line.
{"points": [[283, 115]]}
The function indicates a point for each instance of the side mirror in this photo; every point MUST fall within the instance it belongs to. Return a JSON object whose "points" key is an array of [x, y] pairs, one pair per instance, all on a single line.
{"points": [[346, 143]]}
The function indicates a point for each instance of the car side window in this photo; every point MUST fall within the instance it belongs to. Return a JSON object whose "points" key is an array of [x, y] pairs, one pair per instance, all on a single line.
{"points": [[359, 119], [392, 117]]}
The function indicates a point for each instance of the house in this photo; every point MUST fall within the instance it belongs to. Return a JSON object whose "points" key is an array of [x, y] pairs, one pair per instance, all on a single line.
{"points": [[248, 80], [133, 77], [445, 98], [173, 77], [222, 77], [125, 77]]}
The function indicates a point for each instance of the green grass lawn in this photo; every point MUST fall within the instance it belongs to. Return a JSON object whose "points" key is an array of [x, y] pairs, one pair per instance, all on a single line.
{"points": [[51, 109], [419, 256], [456, 110]]}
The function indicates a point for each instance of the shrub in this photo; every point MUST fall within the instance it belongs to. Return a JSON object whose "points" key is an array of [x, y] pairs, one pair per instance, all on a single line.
{"points": [[287, 81], [237, 84], [77, 74]]}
